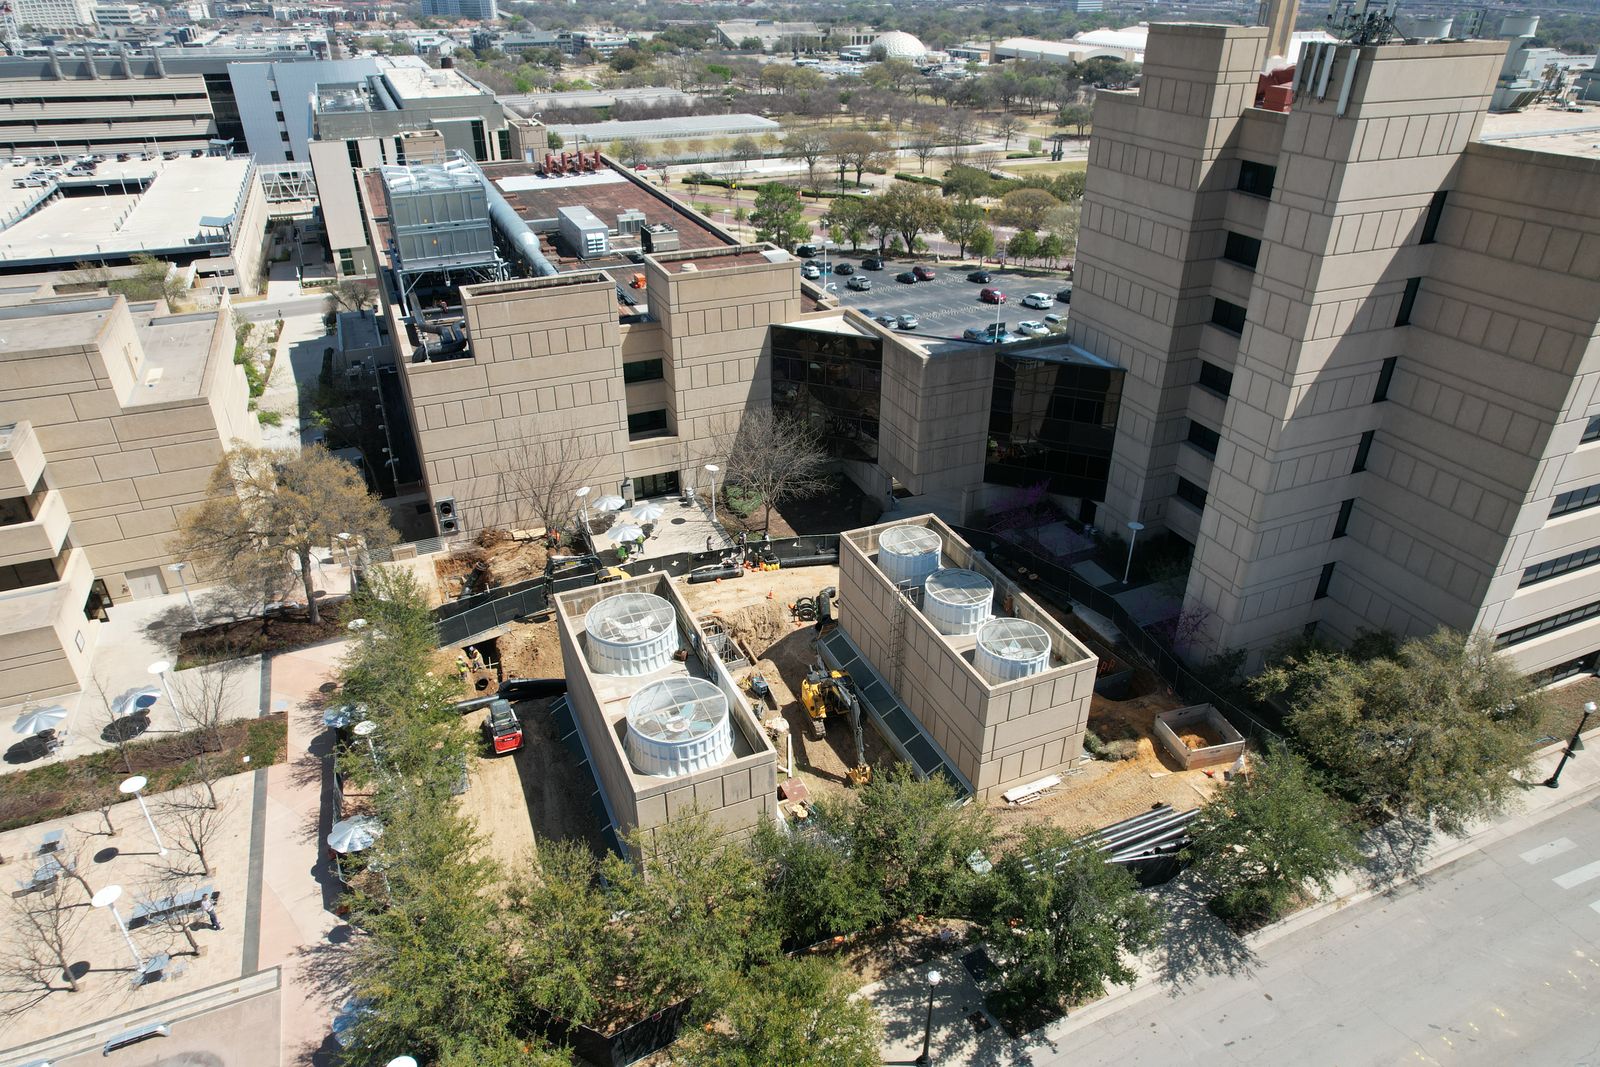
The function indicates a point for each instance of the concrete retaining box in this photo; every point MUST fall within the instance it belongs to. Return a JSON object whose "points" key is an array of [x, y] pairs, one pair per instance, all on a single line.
{"points": [[1205, 719]]}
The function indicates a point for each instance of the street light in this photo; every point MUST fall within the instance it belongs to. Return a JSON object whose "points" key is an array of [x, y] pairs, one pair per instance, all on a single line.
{"points": [[344, 543], [365, 729], [132, 787], [107, 898], [1135, 527], [403, 1061], [160, 668], [178, 569], [1574, 747], [934, 978], [583, 505], [711, 477]]}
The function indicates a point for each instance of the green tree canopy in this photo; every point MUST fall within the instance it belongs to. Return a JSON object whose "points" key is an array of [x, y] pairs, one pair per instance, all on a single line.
{"points": [[909, 211], [963, 223], [794, 1012], [779, 216]]}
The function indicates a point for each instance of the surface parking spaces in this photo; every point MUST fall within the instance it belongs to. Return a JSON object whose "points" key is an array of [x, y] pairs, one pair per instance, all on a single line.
{"points": [[948, 304]]}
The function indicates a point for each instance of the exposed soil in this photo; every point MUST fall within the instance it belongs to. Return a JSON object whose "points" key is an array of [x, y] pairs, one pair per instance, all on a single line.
{"points": [[496, 557], [1197, 736], [531, 650], [874, 954]]}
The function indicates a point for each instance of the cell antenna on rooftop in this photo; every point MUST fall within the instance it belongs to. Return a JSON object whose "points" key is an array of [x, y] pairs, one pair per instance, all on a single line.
{"points": [[1363, 21]]}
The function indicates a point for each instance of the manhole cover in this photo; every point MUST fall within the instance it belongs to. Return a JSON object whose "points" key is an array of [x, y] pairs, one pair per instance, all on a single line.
{"points": [[679, 522]]}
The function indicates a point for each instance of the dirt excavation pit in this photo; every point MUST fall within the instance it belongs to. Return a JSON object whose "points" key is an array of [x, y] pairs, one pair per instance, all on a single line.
{"points": [[495, 558]]}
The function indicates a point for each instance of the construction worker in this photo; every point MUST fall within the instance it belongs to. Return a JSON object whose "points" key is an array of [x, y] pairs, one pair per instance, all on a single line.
{"points": [[474, 658], [461, 667]]}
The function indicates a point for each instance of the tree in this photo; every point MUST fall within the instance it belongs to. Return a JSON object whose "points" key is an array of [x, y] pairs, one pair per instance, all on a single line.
{"points": [[1266, 835], [987, 159], [966, 183], [746, 147], [802, 1012], [192, 819], [911, 211], [924, 144], [1024, 245], [1063, 920], [1050, 248], [265, 507], [855, 149], [810, 146], [1006, 127], [1061, 223], [847, 216], [41, 939], [779, 216], [543, 469], [201, 702], [1026, 209], [915, 842], [815, 887], [153, 279], [774, 458], [553, 141], [350, 296], [963, 224], [632, 151], [1437, 732], [982, 243], [1075, 115]]}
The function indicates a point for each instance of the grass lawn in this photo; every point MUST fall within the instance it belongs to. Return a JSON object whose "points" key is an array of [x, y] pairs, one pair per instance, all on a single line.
{"points": [[1027, 168], [85, 783]]}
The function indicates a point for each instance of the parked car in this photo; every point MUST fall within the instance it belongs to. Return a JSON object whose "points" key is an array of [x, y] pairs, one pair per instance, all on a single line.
{"points": [[1057, 323], [924, 274], [641, 166], [872, 263], [1064, 296], [822, 265], [805, 251], [1037, 300], [890, 321], [908, 321], [991, 296], [29, 182], [843, 268], [1033, 328], [982, 277], [906, 276], [810, 271], [989, 335], [859, 284]]}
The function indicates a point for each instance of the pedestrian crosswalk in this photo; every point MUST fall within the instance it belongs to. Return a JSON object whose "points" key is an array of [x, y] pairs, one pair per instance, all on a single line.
{"points": [[1568, 879], [1578, 876], [1548, 850]]}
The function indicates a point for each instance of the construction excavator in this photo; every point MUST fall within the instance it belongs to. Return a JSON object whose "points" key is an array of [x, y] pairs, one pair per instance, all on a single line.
{"points": [[829, 694]]}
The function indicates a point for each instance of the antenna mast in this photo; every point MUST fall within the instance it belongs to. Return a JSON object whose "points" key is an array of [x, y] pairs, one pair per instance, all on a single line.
{"points": [[1363, 21]]}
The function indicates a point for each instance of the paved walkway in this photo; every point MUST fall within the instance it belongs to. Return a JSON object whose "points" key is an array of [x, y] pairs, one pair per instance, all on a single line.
{"points": [[1196, 947], [296, 365]]}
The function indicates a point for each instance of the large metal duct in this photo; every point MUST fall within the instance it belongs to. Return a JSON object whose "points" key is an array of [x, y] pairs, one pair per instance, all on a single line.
{"points": [[523, 241]]}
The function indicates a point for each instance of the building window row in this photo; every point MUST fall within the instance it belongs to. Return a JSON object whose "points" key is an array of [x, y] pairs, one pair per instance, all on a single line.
{"points": [[1324, 580], [646, 424], [1571, 617], [1576, 500], [1385, 376], [1408, 300], [1204, 438], [1216, 379], [1228, 315], [1555, 568], [1190, 494], [643, 370], [1256, 178], [1591, 432], [1245, 251]]}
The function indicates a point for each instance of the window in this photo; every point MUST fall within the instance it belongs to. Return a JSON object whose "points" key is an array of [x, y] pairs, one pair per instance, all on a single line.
{"points": [[1363, 450], [646, 424], [1204, 438], [649, 485], [503, 137], [1216, 379], [1591, 432], [1570, 669], [1190, 494], [480, 146], [1576, 500], [1323, 580], [1242, 250], [1408, 301], [284, 136], [274, 95], [1555, 568], [353, 149], [643, 370], [1228, 315], [1430, 222], [1256, 178], [1341, 525], [1385, 376], [1567, 618]]}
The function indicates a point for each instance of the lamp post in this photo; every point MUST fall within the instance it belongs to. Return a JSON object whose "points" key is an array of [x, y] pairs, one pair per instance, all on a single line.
{"points": [[934, 978], [364, 730], [583, 505], [403, 1061], [1134, 528], [344, 545], [107, 898], [178, 569], [711, 478], [1574, 747], [160, 668], [133, 787]]}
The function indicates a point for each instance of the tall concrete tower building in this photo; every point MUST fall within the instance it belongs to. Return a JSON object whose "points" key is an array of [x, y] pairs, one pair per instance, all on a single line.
{"points": [[1360, 344]]}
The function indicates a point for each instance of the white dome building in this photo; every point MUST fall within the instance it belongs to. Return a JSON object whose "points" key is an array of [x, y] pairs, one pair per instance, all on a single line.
{"points": [[897, 44]]}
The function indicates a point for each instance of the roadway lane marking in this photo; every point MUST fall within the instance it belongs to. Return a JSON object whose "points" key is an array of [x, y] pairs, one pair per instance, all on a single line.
{"points": [[1547, 851], [1595, 905], [1578, 876]]}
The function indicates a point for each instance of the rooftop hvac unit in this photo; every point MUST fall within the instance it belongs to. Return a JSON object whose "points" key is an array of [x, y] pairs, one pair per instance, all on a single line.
{"points": [[583, 232], [659, 237], [678, 726], [631, 633], [957, 601], [1009, 649], [908, 553], [630, 222]]}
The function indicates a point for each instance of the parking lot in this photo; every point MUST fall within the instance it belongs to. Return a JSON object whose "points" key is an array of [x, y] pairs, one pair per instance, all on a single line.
{"points": [[948, 304]]}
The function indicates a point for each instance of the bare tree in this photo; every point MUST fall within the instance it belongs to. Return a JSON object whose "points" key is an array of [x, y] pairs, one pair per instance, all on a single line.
{"points": [[810, 145], [180, 922], [632, 151], [200, 704], [543, 469], [351, 296], [987, 159], [42, 938], [113, 727], [775, 457], [193, 823], [924, 144], [1007, 126]]}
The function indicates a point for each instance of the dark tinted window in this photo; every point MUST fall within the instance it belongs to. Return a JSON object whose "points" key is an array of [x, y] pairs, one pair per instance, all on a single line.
{"points": [[1190, 494], [1204, 438], [1576, 500], [834, 382], [1215, 378], [644, 370], [1242, 250], [1408, 301], [1430, 224], [1341, 525], [1385, 376], [1323, 580], [1228, 315], [1363, 450], [1555, 568], [1591, 432], [1549, 625], [643, 424], [1054, 424], [1256, 178]]}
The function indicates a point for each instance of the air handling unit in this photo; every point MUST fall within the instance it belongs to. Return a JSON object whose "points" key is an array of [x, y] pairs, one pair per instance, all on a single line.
{"points": [[583, 233], [631, 633], [1009, 649], [678, 726], [908, 554], [439, 219], [957, 601]]}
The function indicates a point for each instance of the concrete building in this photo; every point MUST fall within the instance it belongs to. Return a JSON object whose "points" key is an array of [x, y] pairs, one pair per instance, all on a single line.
{"points": [[478, 10], [999, 687], [112, 18], [666, 736], [1358, 341], [772, 35], [600, 134], [52, 14], [113, 418]]}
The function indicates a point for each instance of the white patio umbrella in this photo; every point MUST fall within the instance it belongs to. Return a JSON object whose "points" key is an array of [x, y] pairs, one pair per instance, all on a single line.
{"points": [[648, 512], [624, 532], [354, 835], [135, 701], [38, 720], [350, 1013], [609, 503], [338, 717]]}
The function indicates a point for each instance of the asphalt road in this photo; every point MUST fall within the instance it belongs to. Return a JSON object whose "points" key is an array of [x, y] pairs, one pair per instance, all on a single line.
{"points": [[1494, 959], [948, 304], [266, 311]]}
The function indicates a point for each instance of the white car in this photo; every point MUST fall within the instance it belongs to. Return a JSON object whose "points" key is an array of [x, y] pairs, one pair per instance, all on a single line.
{"points": [[808, 271], [1041, 301], [1056, 323], [1033, 328]]}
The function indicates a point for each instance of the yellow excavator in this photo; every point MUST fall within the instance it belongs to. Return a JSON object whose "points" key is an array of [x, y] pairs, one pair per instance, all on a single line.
{"points": [[828, 694]]}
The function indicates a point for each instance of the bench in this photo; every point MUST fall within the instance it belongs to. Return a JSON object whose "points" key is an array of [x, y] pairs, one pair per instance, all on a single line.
{"points": [[156, 909]]}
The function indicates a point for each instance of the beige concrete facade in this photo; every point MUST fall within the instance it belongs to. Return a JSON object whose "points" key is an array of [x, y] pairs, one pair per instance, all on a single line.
{"points": [[1411, 350], [735, 795], [116, 417], [998, 735]]}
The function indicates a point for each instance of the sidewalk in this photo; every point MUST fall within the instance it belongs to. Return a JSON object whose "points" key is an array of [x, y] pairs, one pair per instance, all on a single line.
{"points": [[1195, 943]]}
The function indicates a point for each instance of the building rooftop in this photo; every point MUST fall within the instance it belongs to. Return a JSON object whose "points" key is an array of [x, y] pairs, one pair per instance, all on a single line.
{"points": [[187, 204], [52, 325], [659, 129], [1546, 129], [177, 348], [411, 84]]}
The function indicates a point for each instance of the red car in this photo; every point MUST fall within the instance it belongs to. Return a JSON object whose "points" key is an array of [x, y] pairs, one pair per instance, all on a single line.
{"points": [[502, 730], [924, 274], [641, 166], [992, 296]]}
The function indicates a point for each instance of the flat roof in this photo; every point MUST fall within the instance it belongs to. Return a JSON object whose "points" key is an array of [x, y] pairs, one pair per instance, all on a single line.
{"points": [[411, 84], [1546, 129], [176, 348], [53, 324], [165, 216], [657, 129]]}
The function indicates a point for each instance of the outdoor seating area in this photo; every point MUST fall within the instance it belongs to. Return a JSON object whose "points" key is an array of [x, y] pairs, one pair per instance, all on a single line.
{"points": [[150, 910], [46, 872]]}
